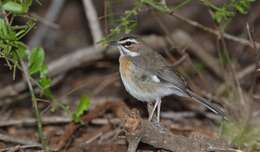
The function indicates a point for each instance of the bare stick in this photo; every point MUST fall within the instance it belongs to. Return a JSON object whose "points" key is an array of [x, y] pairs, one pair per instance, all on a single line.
{"points": [[19, 148], [51, 16], [45, 21], [15, 140], [140, 130], [257, 62], [215, 32], [184, 39], [32, 121], [246, 71], [92, 18]]}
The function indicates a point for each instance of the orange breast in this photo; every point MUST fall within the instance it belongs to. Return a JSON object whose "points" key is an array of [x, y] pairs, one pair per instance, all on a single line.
{"points": [[125, 66]]}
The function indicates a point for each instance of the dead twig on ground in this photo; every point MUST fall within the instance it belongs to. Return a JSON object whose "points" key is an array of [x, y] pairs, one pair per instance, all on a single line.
{"points": [[107, 81], [138, 129], [72, 127], [32, 121], [19, 148], [15, 140]]}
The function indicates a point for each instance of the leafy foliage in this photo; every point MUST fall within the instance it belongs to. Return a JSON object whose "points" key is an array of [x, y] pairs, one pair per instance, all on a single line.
{"points": [[125, 24], [243, 134], [83, 105], [17, 7], [36, 59], [17, 54], [228, 10], [157, 5]]}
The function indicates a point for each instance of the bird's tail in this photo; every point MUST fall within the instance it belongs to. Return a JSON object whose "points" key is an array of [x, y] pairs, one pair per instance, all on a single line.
{"points": [[213, 107]]}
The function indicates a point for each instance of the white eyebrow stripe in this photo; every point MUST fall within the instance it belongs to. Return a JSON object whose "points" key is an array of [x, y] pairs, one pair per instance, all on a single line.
{"points": [[133, 54], [127, 40]]}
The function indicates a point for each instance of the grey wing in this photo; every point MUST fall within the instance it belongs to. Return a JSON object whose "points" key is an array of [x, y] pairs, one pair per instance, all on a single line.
{"points": [[173, 79], [161, 72]]}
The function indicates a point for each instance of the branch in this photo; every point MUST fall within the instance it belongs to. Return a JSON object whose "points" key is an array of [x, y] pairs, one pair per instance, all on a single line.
{"points": [[51, 16], [19, 148], [32, 121], [257, 59], [92, 18], [15, 140], [216, 32], [138, 129], [184, 39]]}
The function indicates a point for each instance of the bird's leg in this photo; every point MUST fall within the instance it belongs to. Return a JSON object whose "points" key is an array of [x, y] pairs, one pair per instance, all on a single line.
{"points": [[150, 106], [158, 109], [152, 112]]}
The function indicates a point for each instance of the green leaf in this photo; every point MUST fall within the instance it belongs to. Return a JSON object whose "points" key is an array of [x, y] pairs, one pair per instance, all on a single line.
{"points": [[6, 33], [26, 4], [44, 71], [13, 7], [45, 83], [20, 48], [36, 60], [157, 5], [83, 105]]}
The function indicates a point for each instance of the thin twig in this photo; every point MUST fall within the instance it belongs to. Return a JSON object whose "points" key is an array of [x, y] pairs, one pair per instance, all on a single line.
{"points": [[42, 30], [176, 116], [15, 140], [20, 148], [215, 32], [32, 122], [246, 71], [45, 21], [257, 62], [93, 139], [184, 39], [92, 18], [106, 82]]}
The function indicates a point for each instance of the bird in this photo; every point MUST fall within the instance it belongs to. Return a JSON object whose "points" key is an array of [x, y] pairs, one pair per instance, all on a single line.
{"points": [[148, 77]]}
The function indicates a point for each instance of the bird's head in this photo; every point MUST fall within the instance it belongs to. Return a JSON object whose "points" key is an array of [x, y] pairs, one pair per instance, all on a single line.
{"points": [[129, 46]]}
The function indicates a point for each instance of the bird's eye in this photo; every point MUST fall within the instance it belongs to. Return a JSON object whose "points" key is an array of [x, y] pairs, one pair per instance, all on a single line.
{"points": [[127, 44]]}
